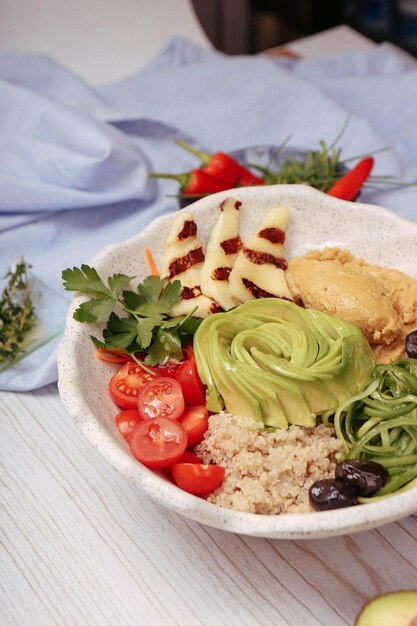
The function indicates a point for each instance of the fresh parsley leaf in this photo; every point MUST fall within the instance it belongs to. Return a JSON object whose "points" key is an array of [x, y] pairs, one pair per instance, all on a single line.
{"points": [[87, 280], [189, 326], [171, 295], [121, 332], [151, 288], [97, 310], [166, 345], [156, 299], [147, 325], [132, 301], [118, 282], [158, 290], [145, 329]]}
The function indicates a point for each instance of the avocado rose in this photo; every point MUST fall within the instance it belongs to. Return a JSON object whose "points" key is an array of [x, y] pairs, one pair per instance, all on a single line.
{"points": [[272, 360]]}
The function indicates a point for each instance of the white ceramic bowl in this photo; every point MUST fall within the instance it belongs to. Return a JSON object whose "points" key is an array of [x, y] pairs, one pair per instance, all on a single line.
{"points": [[316, 220]]}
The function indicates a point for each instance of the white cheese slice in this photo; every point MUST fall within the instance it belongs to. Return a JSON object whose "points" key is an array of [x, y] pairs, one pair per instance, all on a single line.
{"points": [[221, 252], [259, 268], [182, 260]]}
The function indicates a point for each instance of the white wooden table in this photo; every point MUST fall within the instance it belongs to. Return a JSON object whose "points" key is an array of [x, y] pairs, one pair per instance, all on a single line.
{"points": [[83, 547]]}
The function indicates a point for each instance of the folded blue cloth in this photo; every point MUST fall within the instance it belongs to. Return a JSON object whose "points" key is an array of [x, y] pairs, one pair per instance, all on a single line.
{"points": [[74, 161]]}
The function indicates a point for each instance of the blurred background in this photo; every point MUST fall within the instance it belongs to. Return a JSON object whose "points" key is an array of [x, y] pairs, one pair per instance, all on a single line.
{"points": [[251, 26], [104, 40]]}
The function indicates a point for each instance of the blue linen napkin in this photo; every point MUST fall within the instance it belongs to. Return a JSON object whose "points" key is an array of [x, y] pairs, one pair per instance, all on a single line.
{"points": [[74, 160]]}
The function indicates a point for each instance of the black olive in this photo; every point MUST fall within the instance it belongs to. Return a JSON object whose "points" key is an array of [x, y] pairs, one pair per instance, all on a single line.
{"points": [[330, 494], [362, 477], [411, 344]]}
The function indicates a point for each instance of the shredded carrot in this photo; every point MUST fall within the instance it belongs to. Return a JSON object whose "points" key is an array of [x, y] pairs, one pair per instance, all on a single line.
{"points": [[111, 356], [151, 263]]}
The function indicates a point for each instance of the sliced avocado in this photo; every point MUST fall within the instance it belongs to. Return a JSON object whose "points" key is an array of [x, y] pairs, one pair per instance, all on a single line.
{"points": [[392, 609], [279, 363]]}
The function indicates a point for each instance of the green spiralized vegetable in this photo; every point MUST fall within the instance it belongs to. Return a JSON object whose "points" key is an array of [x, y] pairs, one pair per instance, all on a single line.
{"points": [[380, 424]]}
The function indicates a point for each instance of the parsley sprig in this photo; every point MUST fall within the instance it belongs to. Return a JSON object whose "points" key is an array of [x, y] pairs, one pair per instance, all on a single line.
{"points": [[17, 312], [146, 325]]}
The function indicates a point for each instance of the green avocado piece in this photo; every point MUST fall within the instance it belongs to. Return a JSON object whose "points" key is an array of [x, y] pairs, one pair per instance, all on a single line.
{"points": [[393, 609], [279, 363]]}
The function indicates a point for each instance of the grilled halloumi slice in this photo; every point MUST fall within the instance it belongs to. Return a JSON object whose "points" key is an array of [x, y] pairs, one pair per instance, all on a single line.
{"points": [[183, 259], [258, 271], [222, 248]]}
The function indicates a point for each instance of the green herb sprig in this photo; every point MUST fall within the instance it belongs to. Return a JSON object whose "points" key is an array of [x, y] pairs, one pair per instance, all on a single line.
{"points": [[17, 312], [320, 169], [146, 325]]}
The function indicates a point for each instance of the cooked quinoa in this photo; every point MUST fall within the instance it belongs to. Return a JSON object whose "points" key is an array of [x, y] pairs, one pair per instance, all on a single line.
{"points": [[267, 472]]}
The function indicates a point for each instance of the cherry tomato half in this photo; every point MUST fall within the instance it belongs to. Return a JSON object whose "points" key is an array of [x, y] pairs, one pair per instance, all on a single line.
{"points": [[195, 423], [126, 421], [189, 457], [158, 442], [168, 369], [197, 479], [125, 385], [161, 397], [192, 387]]}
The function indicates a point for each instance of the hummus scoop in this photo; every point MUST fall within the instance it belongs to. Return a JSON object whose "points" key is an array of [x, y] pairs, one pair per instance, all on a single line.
{"points": [[347, 292]]}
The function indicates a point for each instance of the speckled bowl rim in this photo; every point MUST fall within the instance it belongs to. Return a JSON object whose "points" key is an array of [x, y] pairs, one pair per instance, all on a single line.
{"points": [[287, 526]]}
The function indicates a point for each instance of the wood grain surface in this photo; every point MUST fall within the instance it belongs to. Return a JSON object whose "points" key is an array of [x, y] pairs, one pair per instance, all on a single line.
{"points": [[81, 546]]}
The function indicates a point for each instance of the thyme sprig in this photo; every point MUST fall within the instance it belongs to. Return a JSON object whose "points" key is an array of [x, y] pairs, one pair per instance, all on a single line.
{"points": [[320, 169], [17, 311]]}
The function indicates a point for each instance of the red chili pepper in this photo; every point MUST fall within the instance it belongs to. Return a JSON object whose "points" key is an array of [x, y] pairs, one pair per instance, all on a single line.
{"points": [[222, 166], [348, 187], [195, 182]]}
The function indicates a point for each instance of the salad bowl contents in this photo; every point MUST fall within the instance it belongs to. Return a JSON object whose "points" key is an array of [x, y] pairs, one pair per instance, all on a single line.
{"points": [[219, 378]]}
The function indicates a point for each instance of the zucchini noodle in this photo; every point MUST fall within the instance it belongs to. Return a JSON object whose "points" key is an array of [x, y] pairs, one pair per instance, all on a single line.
{"points": [[380, 424]]}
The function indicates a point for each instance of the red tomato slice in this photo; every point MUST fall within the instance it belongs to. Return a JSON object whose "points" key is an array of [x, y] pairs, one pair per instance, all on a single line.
{"points": [[192, 387], [195, 423], [189, 351], [189, 457], [168, 369], [158, 442], [125, 385], [197, 479], [126, 422], [161, 397]]}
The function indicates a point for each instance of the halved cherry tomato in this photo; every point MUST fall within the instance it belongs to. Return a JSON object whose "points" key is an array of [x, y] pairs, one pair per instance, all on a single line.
{"points": [[195, 423], [192, 387], [161, 397], [168, 369], [126, 421], [188, 351], [189, 457], [197, 479], [158, 442], [125, 385]]}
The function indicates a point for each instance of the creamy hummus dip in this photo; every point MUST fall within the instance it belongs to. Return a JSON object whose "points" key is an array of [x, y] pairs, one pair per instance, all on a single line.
{"points": [[381, 301]]}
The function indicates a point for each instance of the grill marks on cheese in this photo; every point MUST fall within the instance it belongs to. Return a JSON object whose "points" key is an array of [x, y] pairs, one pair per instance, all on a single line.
{"points": [[260, 265], [222, 249], [183, 259], [229, 272]]}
